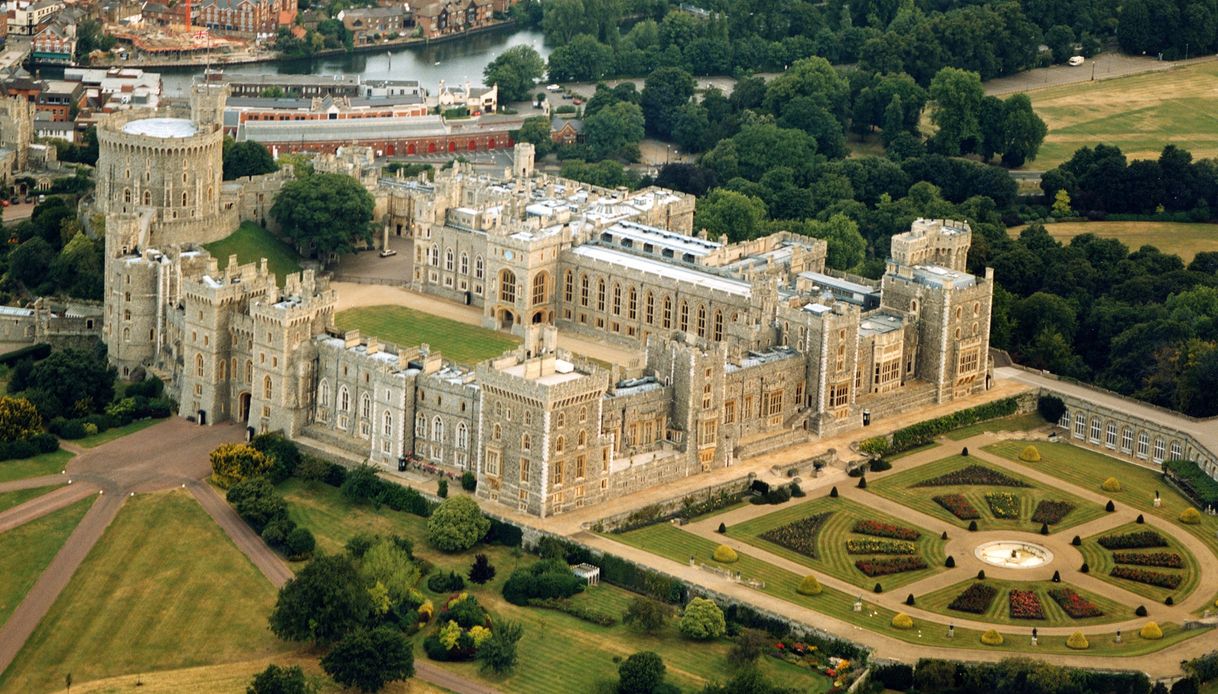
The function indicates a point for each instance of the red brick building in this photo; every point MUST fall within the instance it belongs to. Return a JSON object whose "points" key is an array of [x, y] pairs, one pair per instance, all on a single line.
{"points": [[453, 17]]}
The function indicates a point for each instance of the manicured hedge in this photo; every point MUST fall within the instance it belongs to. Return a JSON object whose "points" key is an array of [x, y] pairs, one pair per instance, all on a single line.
{"points": [[923, 433], [953, 677], [1193, 480], [27, 448]]}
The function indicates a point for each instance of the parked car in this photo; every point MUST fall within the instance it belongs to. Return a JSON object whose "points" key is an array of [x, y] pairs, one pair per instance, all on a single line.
{"points": [[567, 97], [1076, 61], [553, 88], [388, 252]]}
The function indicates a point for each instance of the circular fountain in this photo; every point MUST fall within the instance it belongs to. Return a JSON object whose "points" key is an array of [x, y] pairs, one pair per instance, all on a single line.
{"points": [[1013, 554]]}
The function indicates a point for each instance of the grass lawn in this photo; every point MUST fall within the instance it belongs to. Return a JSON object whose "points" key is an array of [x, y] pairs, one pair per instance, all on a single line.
{"points": [[1139, 113], [25, 551], [333, 520], [16, 498], [1019, 422], [899, 488], [164, 588], [45, 464], [673, 543], [461, 343], [116, 433], [1178, 238], [1089, 469], [999, 612], [251, 243], [1100, 561], [831, 542]]}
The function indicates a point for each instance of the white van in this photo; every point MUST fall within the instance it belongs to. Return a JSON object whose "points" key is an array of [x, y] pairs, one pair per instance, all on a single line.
{"points": [[1076, 61]]}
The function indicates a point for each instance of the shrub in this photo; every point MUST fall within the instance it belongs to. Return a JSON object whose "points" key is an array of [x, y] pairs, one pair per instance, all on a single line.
{"points": [[878, 588], [964, 452], [972, 526], [1169, 601], [1135, 540], [1190, 516], [1085, 568], [1151, 632], [702, 620], [833, 493], [1141, 520], [1030, 455], [943, 536], [578, 610], [1111, 484], [992, 638], [863, 482], [647, 615], [469, 482], [796, 490], [1077, 641], [234, 462], [1044, 528], [981, 575], [895, 676], [1076, 541], [880, 465], [909, 599], [902, 621], [299, 544], [456, 525], [442, 489], [441, 582], [725, 555], [809, 586], [1051, 408], [285, 456], [1057, 577], [951, 562], [279, 680], [481, 571], [1110, 507], [549, 578], [1140, 611]]}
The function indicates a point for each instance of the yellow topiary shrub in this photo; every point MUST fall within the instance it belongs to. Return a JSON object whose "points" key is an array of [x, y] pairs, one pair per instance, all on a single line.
{"points": [[1151, 632], [992, 638], [901, 620], [725, 554], [1111, 485], [1191, 516], [1030, 455], [809, 586], [1078, 642]]}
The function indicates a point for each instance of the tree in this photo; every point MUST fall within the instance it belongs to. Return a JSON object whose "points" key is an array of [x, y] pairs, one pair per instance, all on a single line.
{"points": [[247, 158], [498, 653], [749, 680], [702, 620], [563, 20], [71, 383], [614, 132], [326, 600], [641, 673], [748, 647], [233, 462], [1061, 204], [258, 504], [536, 131], [30, 262], [277, 679], [691, 128], [725, 211], [583, 59], [78, 270], [19, 419], [481, 571], [368, 660], [847, 247], [814, 79], [956, 97], [1022, 132], [515, 71], [1060, 40], [664, 92], [324, 214], [456, 525], [390, 565], [647, 615]]}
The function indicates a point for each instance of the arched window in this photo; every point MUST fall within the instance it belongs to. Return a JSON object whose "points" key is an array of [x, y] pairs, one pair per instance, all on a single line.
{"points": [[617, 299], [496, 433], [701, 321], [433, 256], [718, 326], [526, 442], [561, 420], [507, 287], [569, 287], [199, 365], [632, 304], [583, 289], [560, 444], [323, 392], [649, 309], [539, 288], [249, 372], [420, 426], [220, 370], [583, 414], [462, 436], [147, 197], [583, 438], [667, 312], [437, 429], [267, 390], [600, 294], [478, 267], [387, 424], [464, 263], [183, 196], [127, 195], [344, 399], [683, 316], [448, 259], [365, 406]]}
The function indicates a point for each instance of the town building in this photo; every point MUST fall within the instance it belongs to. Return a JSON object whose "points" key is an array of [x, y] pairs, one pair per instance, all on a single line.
{"points": [[371, 25], [437, 19], [30, 18]]}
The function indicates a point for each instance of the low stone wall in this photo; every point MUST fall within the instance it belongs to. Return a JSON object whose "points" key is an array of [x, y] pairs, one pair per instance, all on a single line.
{"points": [[675, 504]]}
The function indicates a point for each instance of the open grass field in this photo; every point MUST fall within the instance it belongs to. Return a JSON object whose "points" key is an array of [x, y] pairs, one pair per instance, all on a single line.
{"points": [[25, 551], [116, 433], [45, 464], [251, 243], [831, 541], [16, 498], [1089, 469], [1000, 613], [164, 588], [1177, 238], [1140, 114], [1100, 561], [899, 488], [1019, 422], [458, 342], [559, 653], [673, 543]]}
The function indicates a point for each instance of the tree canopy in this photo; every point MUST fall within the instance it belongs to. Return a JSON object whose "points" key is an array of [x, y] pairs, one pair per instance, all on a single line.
{"points": [[247, 158], [370, 659], [456, 525], [324, 214], [515, 71], [324, 601]]}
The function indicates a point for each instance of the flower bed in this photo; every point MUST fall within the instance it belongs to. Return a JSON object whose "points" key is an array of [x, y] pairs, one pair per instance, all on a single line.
{"points": [[1134, 540], [1025, 605], [975, 599], [874, 546], [1074, 604], [973, 474], [1162, 560], [1051, 512], [882, 529], [799, 536], [1150, 578], [896, 565], [958, 506], [1003, 505]]}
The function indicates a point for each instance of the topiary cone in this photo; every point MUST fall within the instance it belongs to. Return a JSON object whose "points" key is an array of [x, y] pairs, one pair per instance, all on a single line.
{"points": [[1077, 641], [833, 493], [1151, 632], [901, 620], [1111, 484], [992, 638], [725, 554], [1030, 455], [809, 586], [951, 562], [909, 599]]}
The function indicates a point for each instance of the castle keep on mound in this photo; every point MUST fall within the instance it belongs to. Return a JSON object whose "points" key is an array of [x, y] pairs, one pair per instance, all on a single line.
{"points": [[743, 348]]}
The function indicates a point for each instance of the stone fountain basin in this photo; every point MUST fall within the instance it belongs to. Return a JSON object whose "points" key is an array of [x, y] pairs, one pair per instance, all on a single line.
{"points": [[1013, 554]]}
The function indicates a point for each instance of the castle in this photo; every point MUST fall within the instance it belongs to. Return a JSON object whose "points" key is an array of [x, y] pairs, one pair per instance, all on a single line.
{"points": [[743, 347]]}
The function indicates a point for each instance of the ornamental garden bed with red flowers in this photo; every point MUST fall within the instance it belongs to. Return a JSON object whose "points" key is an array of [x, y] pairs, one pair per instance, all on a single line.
{"points": [[1134, 540], [958, 506], [1150, 578], [895, 565], [1073, 604], [882, 529], [975, 599], [1051, 512], [874, 546], [973, 474], [1003, 505], [1162, 560], [1025, 604], [799, 536]]}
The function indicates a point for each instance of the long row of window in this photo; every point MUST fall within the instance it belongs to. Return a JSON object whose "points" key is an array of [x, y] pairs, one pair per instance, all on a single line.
{"points": [[702, 322], [1095, 431], [433, 259]]}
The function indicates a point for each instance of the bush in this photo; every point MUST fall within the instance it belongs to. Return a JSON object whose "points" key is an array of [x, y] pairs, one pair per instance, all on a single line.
{"points": [[1030, 455], [1110, 507], [725, 555], [895, 676], [578, 610], [1057, 577], [1111, 484], [909, 600], [469, 482], [284, 455], [702, 620], [964, 452], [1190, 516], [1169, 601], [258, 503], [275, 534], [722, 528], [809, 586], [1085, 568], [1076, 541], [481, 571], [548, 578], [299, 544], [923, 433], [1140, 519], [456, 525], [972, 526], [1193, 480], [1077, 641], [902, 621], [878, 588], [951, 562], [279, 680], [863, 482], [361, 485], [234, 462], [992, 638], [796, 490], [943, 535], [441, 582], [1151, 632], [442, 489], [1044, 528], [1140, 611], [833, 493], [1051, 408], [647, 615], [880, 465], [981, 575]]}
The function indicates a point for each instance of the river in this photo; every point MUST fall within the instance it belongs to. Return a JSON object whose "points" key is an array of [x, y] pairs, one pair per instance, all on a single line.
{"points": [[452, 61]]}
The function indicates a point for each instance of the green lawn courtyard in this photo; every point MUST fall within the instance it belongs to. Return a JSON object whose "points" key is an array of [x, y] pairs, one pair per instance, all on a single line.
{"points": [[25, 551], [20, 496], [1100, 561], [45, 464], [250, 243], [405, 327], [115, 433]]}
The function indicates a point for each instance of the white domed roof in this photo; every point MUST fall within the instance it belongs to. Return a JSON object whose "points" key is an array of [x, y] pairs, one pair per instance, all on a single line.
{"points": [[161, 127]]}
